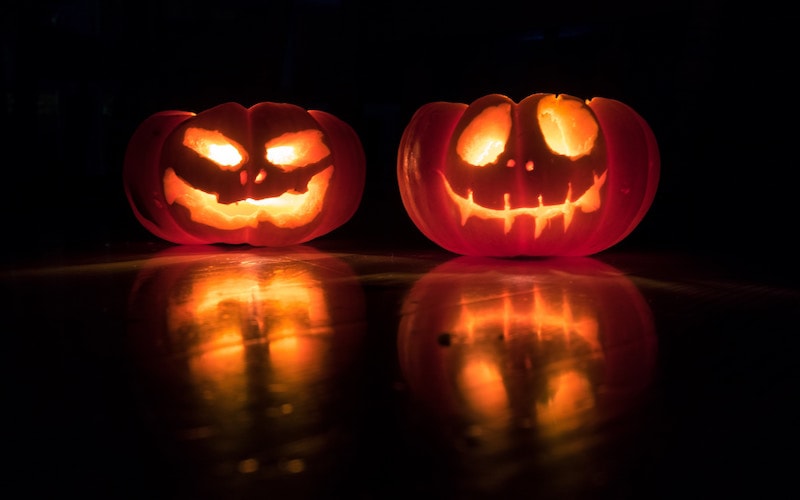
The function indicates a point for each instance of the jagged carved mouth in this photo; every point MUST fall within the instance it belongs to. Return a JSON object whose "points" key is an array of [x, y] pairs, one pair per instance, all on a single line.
{"points": [[588, 202], [289, 210]]}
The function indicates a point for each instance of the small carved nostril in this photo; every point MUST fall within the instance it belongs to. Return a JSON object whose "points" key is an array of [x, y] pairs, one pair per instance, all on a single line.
{"points": [[262, 174], [511, 163], [243, 177], [529, 166]]}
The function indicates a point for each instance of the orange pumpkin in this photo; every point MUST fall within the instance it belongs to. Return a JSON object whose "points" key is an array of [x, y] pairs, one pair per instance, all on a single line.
{"points": [[271, 175], [550, 175]]}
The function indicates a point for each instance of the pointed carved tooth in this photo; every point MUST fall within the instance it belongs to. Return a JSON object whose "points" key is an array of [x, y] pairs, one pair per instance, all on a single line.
{"points": [[590, 201], [507, 223], [568, 213], [540, 223], [466, 208], [508, 219]]}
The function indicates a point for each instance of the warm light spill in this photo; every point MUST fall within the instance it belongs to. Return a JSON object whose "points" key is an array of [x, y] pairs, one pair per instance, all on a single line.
{"points": [[297, 149], [277, 307], [526, 314], [568, 127], [214, 146], [482, 386], [294, 465], [248, 466], [288, 210], [304, 317], [225, 314], [569, 396], [217, 376], [510, 314], [486, 136]]}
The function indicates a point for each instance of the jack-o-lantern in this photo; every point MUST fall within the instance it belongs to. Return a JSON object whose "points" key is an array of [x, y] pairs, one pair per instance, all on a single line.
{"points": [[244, 353], [271, 175], [550, 175], [507, 351]]}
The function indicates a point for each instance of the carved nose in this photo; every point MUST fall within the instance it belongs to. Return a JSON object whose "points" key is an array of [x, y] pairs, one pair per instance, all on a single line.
{"points": [[511, 163], [260, 176]]}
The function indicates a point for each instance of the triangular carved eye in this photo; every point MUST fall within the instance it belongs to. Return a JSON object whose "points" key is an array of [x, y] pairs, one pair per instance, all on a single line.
{"points": [[296, 149], [212, 145], [568, 127], [485, 138]]}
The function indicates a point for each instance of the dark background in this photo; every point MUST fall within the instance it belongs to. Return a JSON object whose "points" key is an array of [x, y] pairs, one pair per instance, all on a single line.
{"points": [[713, 81]]}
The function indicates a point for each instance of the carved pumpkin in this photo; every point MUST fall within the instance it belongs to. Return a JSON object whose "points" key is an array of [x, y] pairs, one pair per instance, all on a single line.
{"points": [[271, 175], [498, 348], [243, 353], [551, 175]]}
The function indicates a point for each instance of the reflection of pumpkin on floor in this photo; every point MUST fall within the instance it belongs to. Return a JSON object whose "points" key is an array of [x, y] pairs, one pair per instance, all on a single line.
{"points": [[545, 345], [551, 175], [240, 349]]}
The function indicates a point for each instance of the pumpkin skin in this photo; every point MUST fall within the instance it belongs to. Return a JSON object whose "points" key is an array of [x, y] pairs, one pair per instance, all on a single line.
{"points": [[273, 174], [551, 175]]}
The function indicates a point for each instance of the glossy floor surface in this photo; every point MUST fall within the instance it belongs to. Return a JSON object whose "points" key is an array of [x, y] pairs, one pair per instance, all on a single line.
{"points": [[181, 372]]}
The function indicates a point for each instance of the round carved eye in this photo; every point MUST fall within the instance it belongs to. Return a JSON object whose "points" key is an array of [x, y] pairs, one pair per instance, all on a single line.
{"points": [[485, 138], [568, 127]]}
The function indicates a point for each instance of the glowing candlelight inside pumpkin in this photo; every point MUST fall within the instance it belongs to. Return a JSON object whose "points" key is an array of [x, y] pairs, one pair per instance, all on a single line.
{"points": [[214, 146]]}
